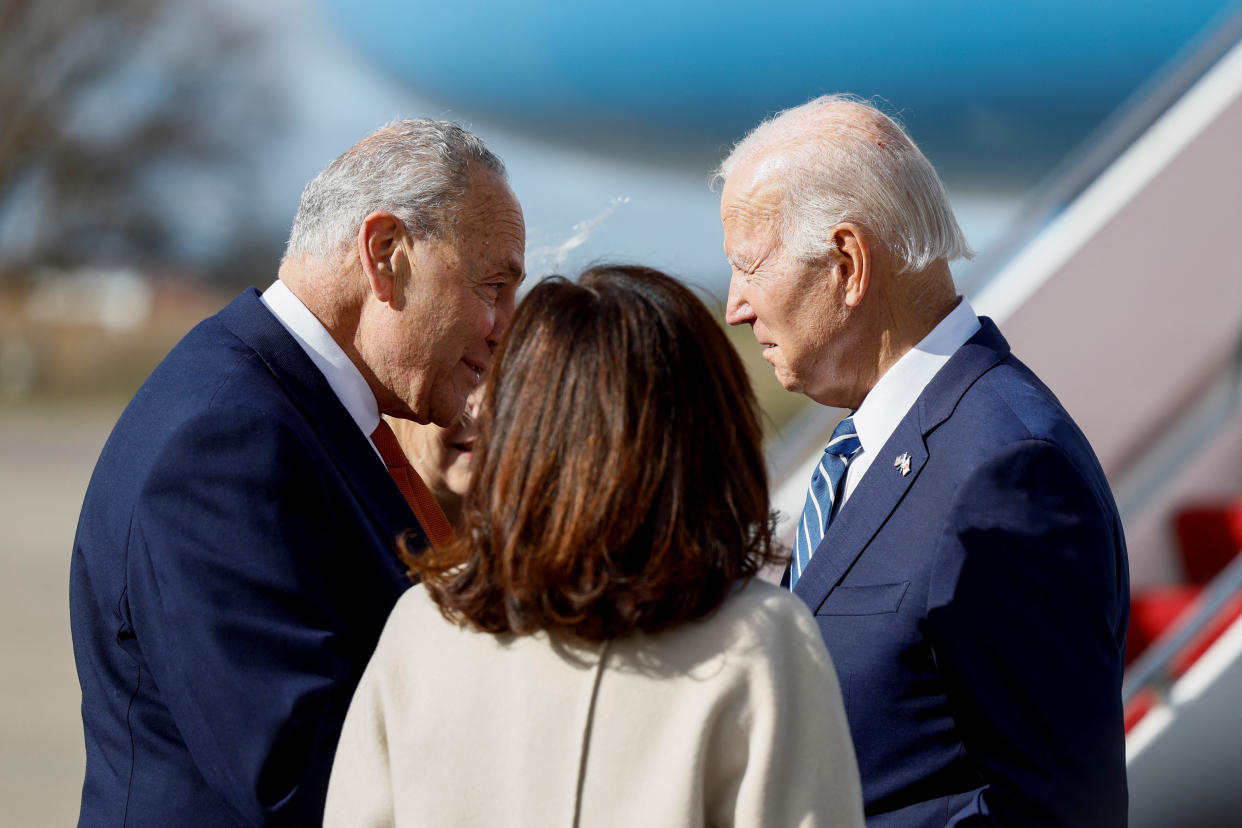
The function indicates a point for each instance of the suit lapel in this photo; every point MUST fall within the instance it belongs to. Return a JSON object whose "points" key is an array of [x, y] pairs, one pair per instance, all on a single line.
{"points": [[875, 498], [883, 486], [248, 319]]}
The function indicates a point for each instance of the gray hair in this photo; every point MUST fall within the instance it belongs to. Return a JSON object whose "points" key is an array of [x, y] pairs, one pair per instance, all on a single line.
{"points": [[848, 162], [417, 169]]}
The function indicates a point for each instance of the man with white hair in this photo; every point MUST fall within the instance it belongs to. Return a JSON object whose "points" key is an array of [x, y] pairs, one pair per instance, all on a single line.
{"points": [[959, 544], [234, 562]]}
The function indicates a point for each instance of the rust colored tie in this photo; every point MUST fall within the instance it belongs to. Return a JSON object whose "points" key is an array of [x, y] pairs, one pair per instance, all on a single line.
{"points": [[423, 503]]}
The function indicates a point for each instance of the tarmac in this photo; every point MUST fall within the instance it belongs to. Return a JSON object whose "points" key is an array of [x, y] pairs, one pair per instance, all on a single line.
{"points": [[46, 458]]}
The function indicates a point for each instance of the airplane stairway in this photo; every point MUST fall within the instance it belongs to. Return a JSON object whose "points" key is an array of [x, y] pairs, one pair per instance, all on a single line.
{"points": [[1183, 684]]}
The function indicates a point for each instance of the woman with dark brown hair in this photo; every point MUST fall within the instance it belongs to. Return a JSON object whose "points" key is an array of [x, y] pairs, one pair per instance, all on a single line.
{"points": [[594, 649]]}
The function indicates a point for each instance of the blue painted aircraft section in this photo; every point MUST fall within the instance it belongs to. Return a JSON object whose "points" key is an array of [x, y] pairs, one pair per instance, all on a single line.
{"points": [[986, 85]]}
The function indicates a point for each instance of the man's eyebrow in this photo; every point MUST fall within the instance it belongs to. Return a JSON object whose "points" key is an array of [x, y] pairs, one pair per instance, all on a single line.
{"points": [[737, 262], [517, 271]]}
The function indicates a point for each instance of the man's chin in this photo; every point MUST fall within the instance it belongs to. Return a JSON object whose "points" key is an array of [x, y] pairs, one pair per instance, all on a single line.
{"points": [[798, 385], [406, 412], [790, 382], [445, 413]]}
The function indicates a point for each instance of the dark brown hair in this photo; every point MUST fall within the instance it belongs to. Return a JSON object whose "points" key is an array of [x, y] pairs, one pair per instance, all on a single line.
{"points": [[619, 479]]}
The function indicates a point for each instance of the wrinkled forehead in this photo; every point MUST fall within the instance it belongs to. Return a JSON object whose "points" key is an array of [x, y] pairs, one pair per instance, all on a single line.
{"points": [[490, 218], [753, 192], [489, 197]]}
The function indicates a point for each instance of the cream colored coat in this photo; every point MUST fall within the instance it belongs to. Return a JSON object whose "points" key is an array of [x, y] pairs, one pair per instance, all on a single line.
{"points": [[733, 720]]}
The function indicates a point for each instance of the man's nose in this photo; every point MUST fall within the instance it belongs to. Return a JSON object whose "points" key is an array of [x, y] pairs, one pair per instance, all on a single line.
{"points": [[737, 309], [500, 324]]}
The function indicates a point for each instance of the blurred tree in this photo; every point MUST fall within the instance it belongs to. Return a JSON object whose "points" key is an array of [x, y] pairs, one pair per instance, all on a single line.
{"points": [[129, 132]]}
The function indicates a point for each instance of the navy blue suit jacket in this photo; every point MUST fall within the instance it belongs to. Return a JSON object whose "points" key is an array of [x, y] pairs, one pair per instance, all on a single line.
{"points": [[232, 570], [976, 609]]}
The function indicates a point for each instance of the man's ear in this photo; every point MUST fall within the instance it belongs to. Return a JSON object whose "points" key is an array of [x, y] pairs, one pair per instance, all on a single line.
{"points": [[379, 247], [853, 265]]}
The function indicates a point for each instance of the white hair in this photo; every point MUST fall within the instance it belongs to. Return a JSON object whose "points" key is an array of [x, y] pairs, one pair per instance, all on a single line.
{"points": [[842, 160], [417, 169]]}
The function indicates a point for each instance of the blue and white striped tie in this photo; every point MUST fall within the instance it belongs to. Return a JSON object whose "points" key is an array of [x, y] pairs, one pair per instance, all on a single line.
{"points": [[822, 496]]}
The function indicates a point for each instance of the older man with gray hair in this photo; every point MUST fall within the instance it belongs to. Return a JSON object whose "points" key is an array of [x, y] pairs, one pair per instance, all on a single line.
{"points": [[234, 561], [959, 544]]}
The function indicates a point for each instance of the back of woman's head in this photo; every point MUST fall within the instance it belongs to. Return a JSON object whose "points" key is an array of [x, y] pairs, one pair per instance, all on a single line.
{"points": [[620, 481]]}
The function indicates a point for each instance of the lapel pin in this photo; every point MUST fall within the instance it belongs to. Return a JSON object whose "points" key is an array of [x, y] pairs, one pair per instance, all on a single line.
{"points": [[902, 464]]}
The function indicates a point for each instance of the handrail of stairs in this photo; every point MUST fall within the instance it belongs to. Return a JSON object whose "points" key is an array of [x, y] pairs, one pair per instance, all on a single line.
{"points": [[1153, 669]]}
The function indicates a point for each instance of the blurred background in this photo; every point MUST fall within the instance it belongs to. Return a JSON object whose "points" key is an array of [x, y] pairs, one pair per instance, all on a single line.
{"points": [[152, 153]]}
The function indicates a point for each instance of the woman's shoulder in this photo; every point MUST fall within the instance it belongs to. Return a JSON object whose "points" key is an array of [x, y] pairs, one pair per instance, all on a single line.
{"points": [[416, 623], [762, 627], [413, 605], [758, 602], [755, 621]]}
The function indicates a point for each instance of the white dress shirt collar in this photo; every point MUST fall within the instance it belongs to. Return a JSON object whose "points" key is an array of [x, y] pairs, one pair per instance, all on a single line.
{"points": [[342, 375], [899, 388]]}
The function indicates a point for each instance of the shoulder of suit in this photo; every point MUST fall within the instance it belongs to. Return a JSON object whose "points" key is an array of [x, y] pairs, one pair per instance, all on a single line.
{"points": [[1013, 403], [755, 616]]}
